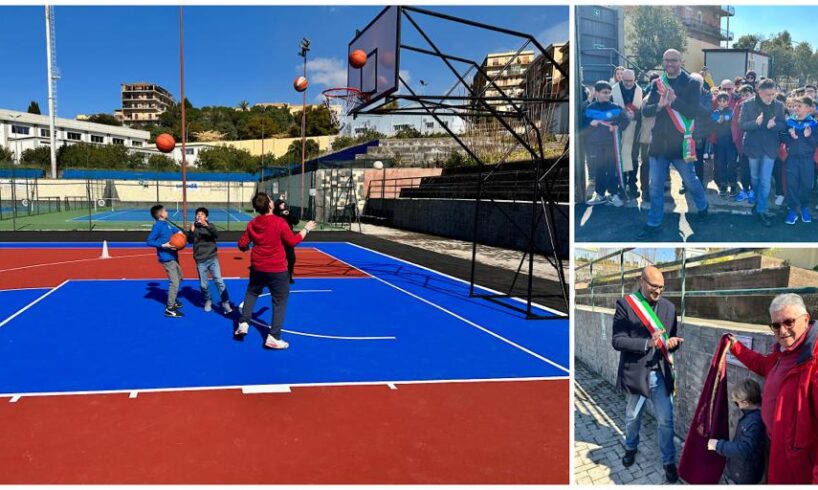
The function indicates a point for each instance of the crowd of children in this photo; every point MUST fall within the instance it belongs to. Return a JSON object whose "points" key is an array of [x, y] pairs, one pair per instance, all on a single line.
{"points": [[760, 141]]}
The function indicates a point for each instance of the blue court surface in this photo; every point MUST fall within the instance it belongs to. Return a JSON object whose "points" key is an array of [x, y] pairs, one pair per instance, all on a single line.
{"points": [[217, 214], [404, 323]]}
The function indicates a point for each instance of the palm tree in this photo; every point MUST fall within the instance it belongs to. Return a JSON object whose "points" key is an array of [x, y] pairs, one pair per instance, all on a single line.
{"points": [[244, 105]]}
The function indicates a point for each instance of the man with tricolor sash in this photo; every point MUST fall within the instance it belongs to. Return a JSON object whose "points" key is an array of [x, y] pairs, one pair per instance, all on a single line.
{"points": [[675, 102], [644, 333]]}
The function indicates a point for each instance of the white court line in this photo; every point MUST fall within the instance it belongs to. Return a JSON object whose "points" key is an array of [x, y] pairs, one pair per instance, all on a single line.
{"points": [[298, 291], [22, 289], [367, 274], [23, 309], [392, 386], [17, 396], [14, 399], [258, 389], [75, 261], [133, 394], [319, 336], [520, 300], [484, 329]]}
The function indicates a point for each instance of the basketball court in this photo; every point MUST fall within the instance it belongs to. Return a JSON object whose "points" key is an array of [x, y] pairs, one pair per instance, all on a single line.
{"points": [[392, 370]]}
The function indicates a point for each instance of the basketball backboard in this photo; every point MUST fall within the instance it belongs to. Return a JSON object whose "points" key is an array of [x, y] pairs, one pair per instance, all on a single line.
{"points": [[380, 40]]}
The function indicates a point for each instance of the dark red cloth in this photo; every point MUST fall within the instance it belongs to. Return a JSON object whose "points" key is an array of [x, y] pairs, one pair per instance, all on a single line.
{"points": [[698, 464], [793, 429], [268, 234]]}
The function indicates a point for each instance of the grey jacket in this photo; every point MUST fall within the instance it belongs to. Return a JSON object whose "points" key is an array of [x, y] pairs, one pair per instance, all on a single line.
{"points": [[203, 239]]}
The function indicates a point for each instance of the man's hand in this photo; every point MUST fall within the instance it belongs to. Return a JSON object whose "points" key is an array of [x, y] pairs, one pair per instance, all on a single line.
{"points": [[595, 123], [760, 120], [712, 443], [771, 123], [192, 227], [731, 341], [794, 135], [656, 339], [721, 118], [310, 225], [671, 96], [807, 132], [674, 342], [663, 100], [168, 246]]}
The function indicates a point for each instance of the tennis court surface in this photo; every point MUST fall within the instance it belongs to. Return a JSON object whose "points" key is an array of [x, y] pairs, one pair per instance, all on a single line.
{"points": [[394, 375]]}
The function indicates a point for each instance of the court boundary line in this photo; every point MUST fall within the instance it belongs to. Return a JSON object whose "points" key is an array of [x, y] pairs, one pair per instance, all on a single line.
{"points": [[320, 336], [18, 396], [74, 261], [26, 307], [342, 261], [514, 298], [24, 289]]}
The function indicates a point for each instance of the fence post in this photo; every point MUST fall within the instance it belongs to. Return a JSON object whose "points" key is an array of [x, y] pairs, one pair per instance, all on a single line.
{"points": [[88, 192], [684, 280], [591, 284], [228, 205], [622, 272]]}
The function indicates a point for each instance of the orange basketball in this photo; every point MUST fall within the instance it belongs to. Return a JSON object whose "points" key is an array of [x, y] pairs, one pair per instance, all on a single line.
{"points": [[357, 58], [165, 143], [300, 84], [178, 240]]}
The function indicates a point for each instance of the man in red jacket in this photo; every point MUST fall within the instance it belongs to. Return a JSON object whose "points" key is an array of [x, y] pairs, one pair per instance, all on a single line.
{"points": [[789, 404], [268, 266]]}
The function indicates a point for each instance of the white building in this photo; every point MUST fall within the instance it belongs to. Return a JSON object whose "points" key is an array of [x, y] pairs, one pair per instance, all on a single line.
{"points": [[390, 124], [20, 131]]}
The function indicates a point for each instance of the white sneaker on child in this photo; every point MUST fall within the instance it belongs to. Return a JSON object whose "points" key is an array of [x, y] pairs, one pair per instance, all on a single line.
{"points": [[274, 343], [616, 201], [243, 328]]}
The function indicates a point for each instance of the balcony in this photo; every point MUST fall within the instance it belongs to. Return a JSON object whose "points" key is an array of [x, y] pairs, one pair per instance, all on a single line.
{"points": [[695, 25]]}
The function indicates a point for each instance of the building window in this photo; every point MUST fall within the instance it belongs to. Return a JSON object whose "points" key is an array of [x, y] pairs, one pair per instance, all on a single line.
{"points": [[119, 141], [46, 133], [19, 129], [96, 139], [430, 125], [136, 143], [74, 136], [189, 151]]}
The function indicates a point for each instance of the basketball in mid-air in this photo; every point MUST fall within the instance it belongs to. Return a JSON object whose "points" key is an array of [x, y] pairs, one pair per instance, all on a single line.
{"points": [[165, 143], [357, 58], [300, 84], [178, 240]]}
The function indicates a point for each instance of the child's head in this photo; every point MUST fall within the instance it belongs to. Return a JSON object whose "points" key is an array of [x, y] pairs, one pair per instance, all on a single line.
{"points": [[746, 91], [159, 212], [747, 394], [261, 203], [802, 107], [202, 213], [603, 91], [810, 91], [723, 100]]}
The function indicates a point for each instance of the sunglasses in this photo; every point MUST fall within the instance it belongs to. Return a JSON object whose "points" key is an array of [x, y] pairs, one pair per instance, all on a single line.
{"points": [[789, 322]]}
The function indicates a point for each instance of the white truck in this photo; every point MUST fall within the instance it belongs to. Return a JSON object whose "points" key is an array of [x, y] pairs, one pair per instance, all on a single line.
{"points": [[732, 63]]}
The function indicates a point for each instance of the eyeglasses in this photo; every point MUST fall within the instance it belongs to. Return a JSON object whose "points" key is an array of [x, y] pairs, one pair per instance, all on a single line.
{"points": [[789, 323], [657, 287]]}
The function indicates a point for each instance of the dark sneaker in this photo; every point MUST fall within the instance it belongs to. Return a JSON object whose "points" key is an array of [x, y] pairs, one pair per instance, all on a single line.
{"points": [[648, 231], [765, 221], [629, 458], [173, 313], [682, 190], [733, 192], [177, 305], [227, 308], [671, 475], [701, 215]]}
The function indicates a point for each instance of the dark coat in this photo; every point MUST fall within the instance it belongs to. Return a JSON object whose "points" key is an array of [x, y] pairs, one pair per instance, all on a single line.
{"points": [[203, 239], [745, 453], [759, 141], [636, 358], [667, 140]]}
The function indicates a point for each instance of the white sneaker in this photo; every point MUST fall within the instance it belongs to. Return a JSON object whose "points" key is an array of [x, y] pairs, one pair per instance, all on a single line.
{"points": [[596, 199], [208, 305], [616, 201], [243, 328], [226, 307], [274, 343], [779, 200]]}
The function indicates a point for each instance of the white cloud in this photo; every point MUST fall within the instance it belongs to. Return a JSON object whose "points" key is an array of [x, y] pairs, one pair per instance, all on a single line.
{"points": [[558, 33], [407, 77], [331, 72]]}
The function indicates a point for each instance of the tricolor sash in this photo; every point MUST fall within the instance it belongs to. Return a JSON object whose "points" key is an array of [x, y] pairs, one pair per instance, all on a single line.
{"points": [[682, 124], [648, 317], [606, 118]]}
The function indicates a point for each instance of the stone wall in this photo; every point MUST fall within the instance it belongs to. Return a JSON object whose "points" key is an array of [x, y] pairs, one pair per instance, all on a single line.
{"points": [[593, 330]]}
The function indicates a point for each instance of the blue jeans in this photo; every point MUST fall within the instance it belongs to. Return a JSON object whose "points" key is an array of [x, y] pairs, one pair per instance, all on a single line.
{"points": [[662, 407], [659, 168], [761, 174], [211, 265]]}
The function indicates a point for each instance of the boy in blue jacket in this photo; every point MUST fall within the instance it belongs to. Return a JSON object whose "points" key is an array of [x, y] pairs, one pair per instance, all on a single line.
{"points": [[745, 453], [602, 120], [168, 257], [801, 140]]}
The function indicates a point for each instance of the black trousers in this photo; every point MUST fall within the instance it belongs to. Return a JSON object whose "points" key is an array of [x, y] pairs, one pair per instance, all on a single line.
{"points": [[278, 283], [290, 251]]}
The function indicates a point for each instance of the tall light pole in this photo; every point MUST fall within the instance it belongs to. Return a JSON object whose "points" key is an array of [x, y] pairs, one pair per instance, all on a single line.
{"points": [[184, 128], [305, 47]]}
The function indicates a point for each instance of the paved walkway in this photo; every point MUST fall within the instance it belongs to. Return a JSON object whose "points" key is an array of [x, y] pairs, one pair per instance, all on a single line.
{"points": [[599, 426]]}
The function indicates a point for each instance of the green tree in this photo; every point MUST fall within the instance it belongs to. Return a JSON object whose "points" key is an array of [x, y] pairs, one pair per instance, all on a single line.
{"points": [[655, 30], [223, 158], [86, 155], [161, 162], [781, 51], [37, 157], [748, 41], [104, 119], [244, 105], [802, 57], [6, 156], [456, 159], [342, 142], [34, 107], [311, 149], [319, 122], [408, 132], [257, 126]]}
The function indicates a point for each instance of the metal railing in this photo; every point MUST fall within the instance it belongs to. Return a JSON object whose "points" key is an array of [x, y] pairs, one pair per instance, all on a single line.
{"points": [[681, 266]]}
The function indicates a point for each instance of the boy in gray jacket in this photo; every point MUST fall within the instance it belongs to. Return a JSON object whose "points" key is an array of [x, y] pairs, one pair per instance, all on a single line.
{"points": [[203, 236]]}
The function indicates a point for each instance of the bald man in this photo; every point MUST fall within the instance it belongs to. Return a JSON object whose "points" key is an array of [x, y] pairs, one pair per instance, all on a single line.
{"points": [[644, 333], [675, 101]]}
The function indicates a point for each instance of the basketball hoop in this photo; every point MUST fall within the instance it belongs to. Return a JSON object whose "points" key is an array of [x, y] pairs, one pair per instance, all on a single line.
{"points": [[347, 96]]}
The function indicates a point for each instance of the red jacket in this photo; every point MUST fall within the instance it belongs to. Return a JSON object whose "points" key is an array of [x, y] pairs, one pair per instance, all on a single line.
{"points": [[794, 438], [268, 233]]}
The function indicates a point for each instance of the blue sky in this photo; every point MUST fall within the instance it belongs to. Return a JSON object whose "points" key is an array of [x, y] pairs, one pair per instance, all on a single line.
{"points": [[231, 53], [769, 21]]}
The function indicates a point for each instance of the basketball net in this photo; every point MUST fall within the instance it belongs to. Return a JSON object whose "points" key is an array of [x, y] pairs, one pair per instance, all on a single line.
{"points": [[347, 97]]}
